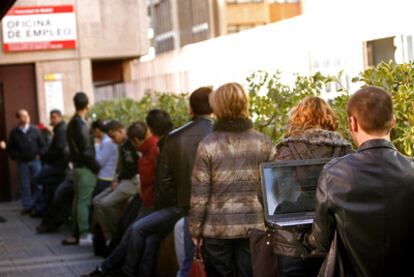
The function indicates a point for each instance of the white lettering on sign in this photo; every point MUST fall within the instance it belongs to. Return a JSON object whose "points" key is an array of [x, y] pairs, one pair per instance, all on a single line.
{"points": [[38, 28]]}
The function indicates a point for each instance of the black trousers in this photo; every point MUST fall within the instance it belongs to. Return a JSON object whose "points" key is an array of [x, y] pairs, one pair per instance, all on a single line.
{"points": [[298, 267], [227, 257], [59, 207]]}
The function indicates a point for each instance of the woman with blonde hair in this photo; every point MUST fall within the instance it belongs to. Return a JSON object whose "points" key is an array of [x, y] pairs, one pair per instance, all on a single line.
{"points": [[310, 134], [226, 184]]}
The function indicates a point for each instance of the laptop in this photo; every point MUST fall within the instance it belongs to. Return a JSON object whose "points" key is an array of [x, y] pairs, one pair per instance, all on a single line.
{"points": [[289, 189]]}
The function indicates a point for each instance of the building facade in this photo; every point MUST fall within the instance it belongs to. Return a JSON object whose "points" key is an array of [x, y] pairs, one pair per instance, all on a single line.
{"points": [[177, 23], [51, 49]]}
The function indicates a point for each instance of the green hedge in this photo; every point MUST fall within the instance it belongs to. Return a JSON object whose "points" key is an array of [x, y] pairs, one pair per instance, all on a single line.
{"points": [[271, 101]]}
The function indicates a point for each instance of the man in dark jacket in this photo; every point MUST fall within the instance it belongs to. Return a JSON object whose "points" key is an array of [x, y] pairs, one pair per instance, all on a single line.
{"points": [[26, 146], [365, 200], [82, 155], [55, 165], [177, 165]]}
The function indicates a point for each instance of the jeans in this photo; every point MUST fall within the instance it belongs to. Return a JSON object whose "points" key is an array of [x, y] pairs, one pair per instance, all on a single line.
{"points": [[27, 171], [59, 208], [85, 182], [118, 254], [184, 247], [106, 203], [227, 257], [159, 222], [298, 267]]}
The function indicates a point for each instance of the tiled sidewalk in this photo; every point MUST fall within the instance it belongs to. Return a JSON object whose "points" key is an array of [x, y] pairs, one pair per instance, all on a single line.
{"points": [[25, 253]]}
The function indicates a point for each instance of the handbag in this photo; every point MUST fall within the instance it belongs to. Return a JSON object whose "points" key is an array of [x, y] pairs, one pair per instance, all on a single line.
{"points": [[263, 260], [198, 268]]}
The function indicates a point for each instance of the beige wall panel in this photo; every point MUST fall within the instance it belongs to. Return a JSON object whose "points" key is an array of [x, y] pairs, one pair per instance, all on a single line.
{"points": [[251, 13], [76, 77], [110, 29]]}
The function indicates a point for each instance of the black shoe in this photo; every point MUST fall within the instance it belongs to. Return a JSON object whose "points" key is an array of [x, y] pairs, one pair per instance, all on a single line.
{"points": [[35, 214], [2, 219], [26, 211], [44, 229]]}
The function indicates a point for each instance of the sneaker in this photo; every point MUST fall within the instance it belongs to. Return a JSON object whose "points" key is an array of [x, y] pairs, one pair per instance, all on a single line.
{"points": [[86, 239], [96, 273]]}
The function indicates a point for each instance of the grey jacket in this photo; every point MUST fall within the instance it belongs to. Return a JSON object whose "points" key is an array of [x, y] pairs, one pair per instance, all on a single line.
{"points": [[226, 191]]}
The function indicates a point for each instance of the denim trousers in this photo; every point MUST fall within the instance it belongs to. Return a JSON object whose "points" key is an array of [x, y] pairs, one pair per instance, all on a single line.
{"points": [[139, 246], [117, 256], [27, 172], [145, 234], [227, 257], [184, 247]]}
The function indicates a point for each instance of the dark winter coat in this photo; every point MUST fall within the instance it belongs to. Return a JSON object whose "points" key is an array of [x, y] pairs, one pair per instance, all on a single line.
{"points": [[310, 144], [58, 152], [226, 190], [26, 147], [127, 161], [177, 161]]}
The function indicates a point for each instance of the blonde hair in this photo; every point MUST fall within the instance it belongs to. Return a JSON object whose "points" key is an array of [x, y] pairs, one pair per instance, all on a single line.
{"points": [[230, 101], [311, 112]]}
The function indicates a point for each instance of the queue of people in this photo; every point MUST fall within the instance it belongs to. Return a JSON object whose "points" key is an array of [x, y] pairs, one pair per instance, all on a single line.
{"points": [[134, 185]]}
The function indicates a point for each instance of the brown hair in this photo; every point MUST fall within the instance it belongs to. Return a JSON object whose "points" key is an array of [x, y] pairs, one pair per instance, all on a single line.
{"points": [[230, 101], [372, 107], [199, 101], [311, 112]]}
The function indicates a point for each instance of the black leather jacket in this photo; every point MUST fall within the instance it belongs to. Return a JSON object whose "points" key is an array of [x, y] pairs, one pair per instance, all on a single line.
{"points": [[177, 161], [368, 198], [80, 142], [58, 151]]}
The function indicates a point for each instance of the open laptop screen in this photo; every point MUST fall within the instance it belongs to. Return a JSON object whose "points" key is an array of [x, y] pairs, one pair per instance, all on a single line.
{"points": [[289, 187]]}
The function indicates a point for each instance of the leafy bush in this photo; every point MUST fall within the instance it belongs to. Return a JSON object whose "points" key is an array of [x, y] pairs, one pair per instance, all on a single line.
{"points": [[128, 110], [397, 79], [271, 101]]}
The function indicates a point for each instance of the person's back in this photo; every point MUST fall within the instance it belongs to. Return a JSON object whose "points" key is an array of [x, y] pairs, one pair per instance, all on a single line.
{"points": [[181, 147], [367, 197], [374, 204]]}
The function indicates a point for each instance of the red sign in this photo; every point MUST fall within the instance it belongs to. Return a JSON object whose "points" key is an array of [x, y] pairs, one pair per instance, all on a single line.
{"points": [[39, 28]]}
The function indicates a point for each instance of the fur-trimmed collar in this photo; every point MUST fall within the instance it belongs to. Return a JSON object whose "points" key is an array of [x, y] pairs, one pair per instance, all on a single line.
{"points": [[233, 125], [318, 137]]}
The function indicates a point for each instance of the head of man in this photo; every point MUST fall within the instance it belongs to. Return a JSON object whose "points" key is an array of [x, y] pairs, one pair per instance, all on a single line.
{"points": [[370, 115], [138, 132], [55, 117], [199, 102], [159, 122], [81, 102], [23, 117], [99, 129], [116, 131]]}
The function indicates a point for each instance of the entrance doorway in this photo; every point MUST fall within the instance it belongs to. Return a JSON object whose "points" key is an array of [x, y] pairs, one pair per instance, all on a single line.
{"points": [[17, 91]]}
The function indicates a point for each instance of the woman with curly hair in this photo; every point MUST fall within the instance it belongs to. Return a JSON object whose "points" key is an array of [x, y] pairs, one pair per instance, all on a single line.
{"points": [[310, 134]]}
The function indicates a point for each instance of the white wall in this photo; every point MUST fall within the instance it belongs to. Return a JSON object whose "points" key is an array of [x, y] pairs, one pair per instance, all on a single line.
{"points": [[328, 37]]}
